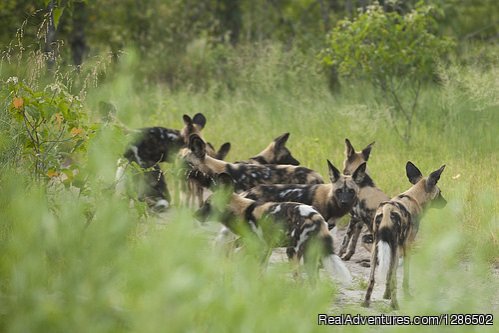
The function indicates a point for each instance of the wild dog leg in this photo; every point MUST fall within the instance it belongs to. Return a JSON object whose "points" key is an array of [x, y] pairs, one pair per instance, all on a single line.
{"points": [[353, 242], [295, 262], [370, 286], [348, 236]]}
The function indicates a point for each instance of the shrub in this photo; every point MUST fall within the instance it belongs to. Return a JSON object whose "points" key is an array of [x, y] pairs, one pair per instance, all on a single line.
{"points": [[395, 53]]}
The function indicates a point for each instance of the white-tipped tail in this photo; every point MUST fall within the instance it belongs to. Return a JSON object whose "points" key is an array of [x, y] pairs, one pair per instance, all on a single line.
{"points": [[384, 257], [336, 269]]}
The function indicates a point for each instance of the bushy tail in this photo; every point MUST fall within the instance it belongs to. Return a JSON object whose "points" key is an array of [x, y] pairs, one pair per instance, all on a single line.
{"points": [[384, 257], [336, 269]]}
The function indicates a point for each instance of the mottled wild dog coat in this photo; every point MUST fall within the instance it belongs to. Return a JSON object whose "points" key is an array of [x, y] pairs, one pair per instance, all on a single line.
{"points": [[246, 176], [279, 224], [396, 224], [151, 146], [275, 153], [369, 198], [332, 200]]}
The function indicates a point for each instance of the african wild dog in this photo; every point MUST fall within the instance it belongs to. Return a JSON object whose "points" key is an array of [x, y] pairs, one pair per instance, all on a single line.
{"points": [[275, 153], [246, 176], [196, 181], [151, 146], [370, 196], [396, 224], [332, 200], [290, 224]]}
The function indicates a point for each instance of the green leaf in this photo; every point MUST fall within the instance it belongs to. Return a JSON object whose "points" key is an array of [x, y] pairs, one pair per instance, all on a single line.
{"points": [[57, 15]]}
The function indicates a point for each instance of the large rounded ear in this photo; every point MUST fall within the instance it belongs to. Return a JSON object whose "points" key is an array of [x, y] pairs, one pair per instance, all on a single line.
{"points": [[349, 150], [433, 178], [187, 120], [413, 173], [367, 151], [359, 174], [334, 174], [223, 151], [200, 120], [197, 146], [281, 140]]}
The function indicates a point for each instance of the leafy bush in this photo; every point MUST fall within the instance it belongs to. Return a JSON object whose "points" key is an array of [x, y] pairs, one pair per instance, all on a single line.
{"points": [[394, 52], [50, 123]]}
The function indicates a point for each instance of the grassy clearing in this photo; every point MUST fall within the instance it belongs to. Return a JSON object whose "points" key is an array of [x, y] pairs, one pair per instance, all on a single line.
{"points": [[83, 261]]}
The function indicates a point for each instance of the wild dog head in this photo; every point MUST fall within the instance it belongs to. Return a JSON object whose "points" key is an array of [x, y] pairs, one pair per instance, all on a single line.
{"points": [[192, 125], [276, 153], [397, 214], [195, 153], [426, 189], [345, 187], [355, 158]]}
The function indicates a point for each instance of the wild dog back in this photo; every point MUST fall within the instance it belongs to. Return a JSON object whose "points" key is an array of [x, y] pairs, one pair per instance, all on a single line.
{"points": [[246, 176]]}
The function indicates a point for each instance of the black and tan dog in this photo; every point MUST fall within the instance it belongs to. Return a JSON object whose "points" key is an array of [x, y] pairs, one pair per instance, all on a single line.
{"points": [[246, 176], [275, 153], [369, 198], [332, 200], [278, 224], [151, 146], [396, 224]]}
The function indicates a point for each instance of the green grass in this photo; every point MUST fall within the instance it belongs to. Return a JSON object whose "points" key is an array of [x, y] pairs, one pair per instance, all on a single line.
{"points": [[87, 262]]}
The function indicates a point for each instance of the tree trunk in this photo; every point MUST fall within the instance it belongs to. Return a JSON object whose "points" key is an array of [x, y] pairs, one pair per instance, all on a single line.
{"points": [[49, 48], [78, 41], [229, 15], [325, 15]]}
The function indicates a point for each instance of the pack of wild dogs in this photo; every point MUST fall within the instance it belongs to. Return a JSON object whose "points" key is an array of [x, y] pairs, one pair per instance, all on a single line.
{"points": [[272, 199]]}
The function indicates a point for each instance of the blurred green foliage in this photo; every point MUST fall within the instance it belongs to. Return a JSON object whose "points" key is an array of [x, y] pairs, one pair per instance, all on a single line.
{"points": [[198, 33]]}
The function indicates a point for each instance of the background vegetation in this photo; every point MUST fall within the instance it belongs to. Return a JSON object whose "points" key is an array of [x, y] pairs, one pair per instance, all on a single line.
{"points": [[73, 257]]}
